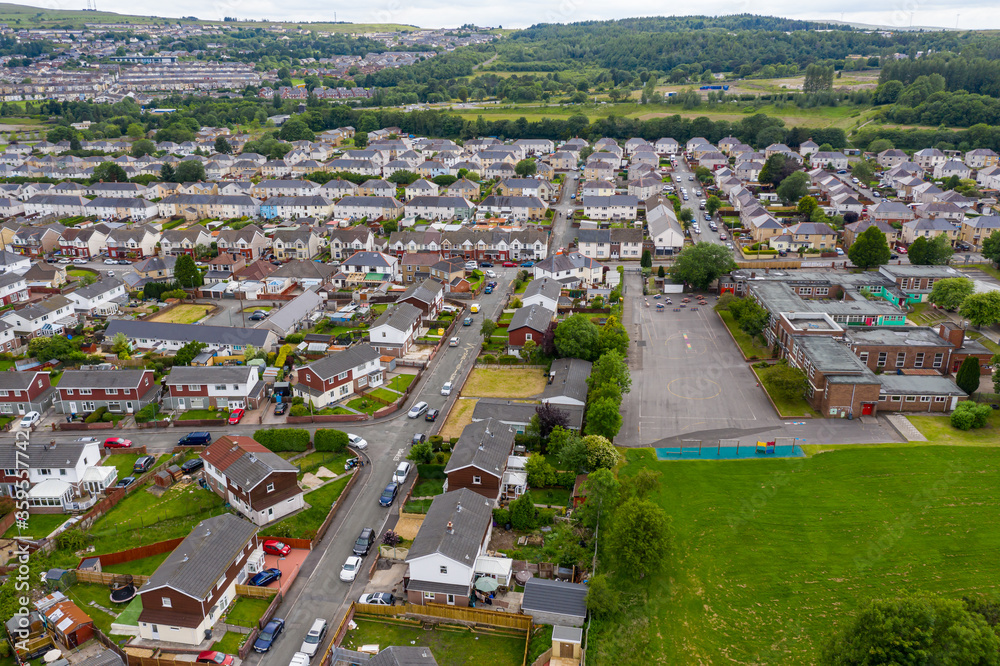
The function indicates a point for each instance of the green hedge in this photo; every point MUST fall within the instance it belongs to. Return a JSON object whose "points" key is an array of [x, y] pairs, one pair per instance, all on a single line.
{"points": [[147, 413], [431, 471], [330, 440], [96, 415], [285, 439]]}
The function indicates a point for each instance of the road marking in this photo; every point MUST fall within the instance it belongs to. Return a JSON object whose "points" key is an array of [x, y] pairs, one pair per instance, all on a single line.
{"points": [[399, 455]]}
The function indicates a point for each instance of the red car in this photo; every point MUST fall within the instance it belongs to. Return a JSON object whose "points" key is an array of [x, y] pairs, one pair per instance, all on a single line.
{"points": [[236, 416], [117, 443], [275, 547], [213, 657], [509, 264]]}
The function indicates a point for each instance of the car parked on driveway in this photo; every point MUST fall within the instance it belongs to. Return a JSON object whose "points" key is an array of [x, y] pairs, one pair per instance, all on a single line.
{"points": [[30, 419], [192, 465], [275, 547], [265, 577], [236, 416], [126, 482], [213, 657], [117, 443], [417, 410], [268, 635], [389, 494], [143, 464], [377, 599], [280, 408]]}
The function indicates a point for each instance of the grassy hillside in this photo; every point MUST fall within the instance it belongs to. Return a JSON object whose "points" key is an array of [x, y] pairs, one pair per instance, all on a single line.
{"points": [[771, 556]]}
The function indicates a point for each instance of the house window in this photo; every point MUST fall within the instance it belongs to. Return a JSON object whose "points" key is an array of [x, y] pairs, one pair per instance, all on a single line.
{"points": [[900, 359], [444, 570], [864, 357], [194, 387], [165, 602], [342, 376], [85, 392], [925, 398], [44, 472], [882, 357], [805, 291], [477, 480], [911, 398], [451, 599], [939, 398], [270, 487], [918, 362], [111, 391], [62, 472], [938, 359], [429, 596]]}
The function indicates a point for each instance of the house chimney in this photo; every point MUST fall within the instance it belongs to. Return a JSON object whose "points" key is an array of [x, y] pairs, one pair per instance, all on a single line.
{"points": [[458, 508]]}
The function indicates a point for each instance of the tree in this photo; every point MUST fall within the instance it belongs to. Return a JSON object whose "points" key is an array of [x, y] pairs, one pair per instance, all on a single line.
{"points": [[186, 273], [143, 147], [918, 251], [704, 175], [939, 251], [639, 537], [167, 173], [613, 336], [603, 417], [787, 382], [806, 206], [967, 377], [87, 279], [296, 130], [120, 346], [360, 139], [701, 264], [403, 177], [686, 216], [776, 168], [995, 362], [712, 205], [991, 247], [601, 453], [573, 454], [661, 272], [186, 354], [528, 350], [550, 417], [526, 168], [818, 78], [919, 629], [577, 337], [190, 171], [794, 187], [60, 133], [879, 145], [109, 172], [610, 368], [862, 170], [602, 599], [869, 249], [223, 146], [522, 512], [603, 492], [950, 292], [487, 329], [135, 131], [750, 316], [647, 259], [981, 309], [540, 473], [421, 453]]}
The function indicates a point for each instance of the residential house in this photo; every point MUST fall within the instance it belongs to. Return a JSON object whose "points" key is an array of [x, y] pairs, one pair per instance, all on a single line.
{"points": [[853, 230], [372, 266], [196, 583], [823, 159], [133, 243], [339, 376], [929, 228], [427, 296], [395, 331], [479, 459], [975, 230], [439, 208], [529, 322], [567, 383], [185, 241], [527, 187], [514, 207], [25, 391], [890, 157], [465, 188], [611, 243], [891, 211], [598, 188], [207, 387], [615, 207], [59, 205], [943, 210], [169, 337], [85, 242], [980, 158], [369, 207], [63, 474], [296, 207], [45, 275], [952, 168], [35, 242], [928, 158], [345, 242], [544, 292], [665, 231], [156, 269], [13, 288], [258, 483], [569, 269], [121, 208], [441, 560], [100, 298], [301, 243], [812, 235], [416, 266], [420, 187], [211, 206], [248, 242], [120, 391], [11, 262], [49, 317]]}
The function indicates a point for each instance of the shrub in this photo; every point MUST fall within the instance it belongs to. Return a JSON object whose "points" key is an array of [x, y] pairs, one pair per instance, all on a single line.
{"points": [[72, 540], [501, 516], [283, 355], [439, 458], [522, 512], [299, 410], [436, 442], [489, 358], [421, 453], [285, 439], [446, 446], [107, 417], [330, 440], [294, 338], [431, 471], [507, 359], [147, 413], [176, 293], [566, 480], [968, 415], [96, 415]]}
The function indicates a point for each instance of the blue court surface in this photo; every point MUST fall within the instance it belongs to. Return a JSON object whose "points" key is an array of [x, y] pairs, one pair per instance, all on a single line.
{"points": [[730, 452]]}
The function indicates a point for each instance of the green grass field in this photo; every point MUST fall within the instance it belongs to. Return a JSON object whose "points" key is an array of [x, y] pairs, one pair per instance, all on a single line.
{"points": [[199, 414], [229, 643], [123, 462], [143, 567], [428, 488], [400, 382], [304, 524], [39, 525], [246, 611], [451, 646], [313, 461], [938, 430], [767, 558]]}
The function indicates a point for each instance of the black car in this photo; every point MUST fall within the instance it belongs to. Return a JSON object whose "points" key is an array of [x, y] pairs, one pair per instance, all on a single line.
{"points": [[419, 438], [432, 414], [894, 256], [280, 408], [365, 541], [256, 317], [143, 464], [268, 635], [389, 494], [195, 439], [192, 465], [126, 482], [486, 264]]}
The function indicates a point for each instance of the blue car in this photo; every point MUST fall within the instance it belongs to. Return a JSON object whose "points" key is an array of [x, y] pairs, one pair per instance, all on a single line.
{"points": [[268, 635], [266, 576], [389, 494], [527, 264]]}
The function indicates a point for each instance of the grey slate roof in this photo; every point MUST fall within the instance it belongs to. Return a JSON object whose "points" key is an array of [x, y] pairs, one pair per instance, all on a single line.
{"points": [[425, 292], [534, 316], [185, 374], [219, 335], [484, 445], [342, 361], [469, 525], [102, 286], [918, 385], [570, 379], [41, 455], [202, 558], [401, 317], [552, 596], [253, 467], [101, 378], [544, 287]]}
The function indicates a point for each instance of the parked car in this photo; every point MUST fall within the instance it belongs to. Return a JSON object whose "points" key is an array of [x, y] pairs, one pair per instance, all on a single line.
{"points": [[446, 389], [275, 547], [453, 342], [894, 256], [126, 482], [357, 441], [213, 657], [124, 262], [313, 639], [280, 408], [192, 465], [377, 599], [488, 290], [117, 443], [486, 264], [299, 659], [85, 440], [467, 321], [418, 410], [110, 262], [490, 274], [527, 264], [388, 494], [195, 439], [265, 577], [236, 416], [62, 260], [419, 438], [143, 464], [365, 541], [349, 571], [840, 252], [268, 635], [432, 414], [509, 264], [30, 419], [256, 317]]}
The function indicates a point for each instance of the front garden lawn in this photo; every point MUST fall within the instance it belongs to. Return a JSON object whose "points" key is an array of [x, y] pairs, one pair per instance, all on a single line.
{"points": [[401, 382], [428, 488], [39, 525], [313, 461], [305, 524], [363, 405], [199, 414], [230, 643], [513, 383], [246, 611], [450, 645], [386, 395]]}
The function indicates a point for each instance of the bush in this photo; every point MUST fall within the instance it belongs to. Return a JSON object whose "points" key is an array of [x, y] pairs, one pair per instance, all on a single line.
{"points": [[330, 440], [489, 358], [501, 516], [968, 415], [522, 512], [107, 417], [507, 359], [283, 355], [436, 442], [147, 413], [299, 410], [72, 540], [421, 453], [285, 439], [294, 338], [176, 293], [446, 446], [439, 458], [566, 480], [96, 415]]}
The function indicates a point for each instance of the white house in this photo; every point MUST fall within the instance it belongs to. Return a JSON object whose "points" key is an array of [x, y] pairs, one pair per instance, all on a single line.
{"points": [[543, 291], [395, 331], [570, 269], [48, 317], [99, 298], [204, 387], [664, 230], [615, 207]]}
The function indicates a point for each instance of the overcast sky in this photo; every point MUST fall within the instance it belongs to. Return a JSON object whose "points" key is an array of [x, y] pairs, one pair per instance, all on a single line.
{"points": [[522, 13]]}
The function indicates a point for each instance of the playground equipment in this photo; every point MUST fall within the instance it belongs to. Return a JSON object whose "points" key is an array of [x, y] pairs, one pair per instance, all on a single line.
{"points": [[765, 448]]}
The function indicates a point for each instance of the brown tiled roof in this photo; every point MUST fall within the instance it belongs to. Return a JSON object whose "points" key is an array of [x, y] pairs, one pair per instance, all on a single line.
{"points": [[226, 450]]}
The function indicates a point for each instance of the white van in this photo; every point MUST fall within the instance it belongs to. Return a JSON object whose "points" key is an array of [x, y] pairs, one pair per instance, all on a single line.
{"points": [[402, 472]]}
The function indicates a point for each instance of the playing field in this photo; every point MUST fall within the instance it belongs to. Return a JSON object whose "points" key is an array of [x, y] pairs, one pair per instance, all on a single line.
{"points": [[186, 313], [768, 557]]}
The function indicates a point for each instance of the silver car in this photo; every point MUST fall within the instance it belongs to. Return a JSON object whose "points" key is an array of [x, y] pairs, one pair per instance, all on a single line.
{"points": [[417, 410], [446, 389]]}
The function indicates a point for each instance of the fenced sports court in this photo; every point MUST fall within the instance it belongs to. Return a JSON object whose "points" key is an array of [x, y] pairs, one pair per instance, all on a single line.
{"points": [[733, 449]]}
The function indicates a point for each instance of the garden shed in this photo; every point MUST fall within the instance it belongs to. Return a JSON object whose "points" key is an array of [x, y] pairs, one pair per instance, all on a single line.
{"points": [[555, 602]]}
